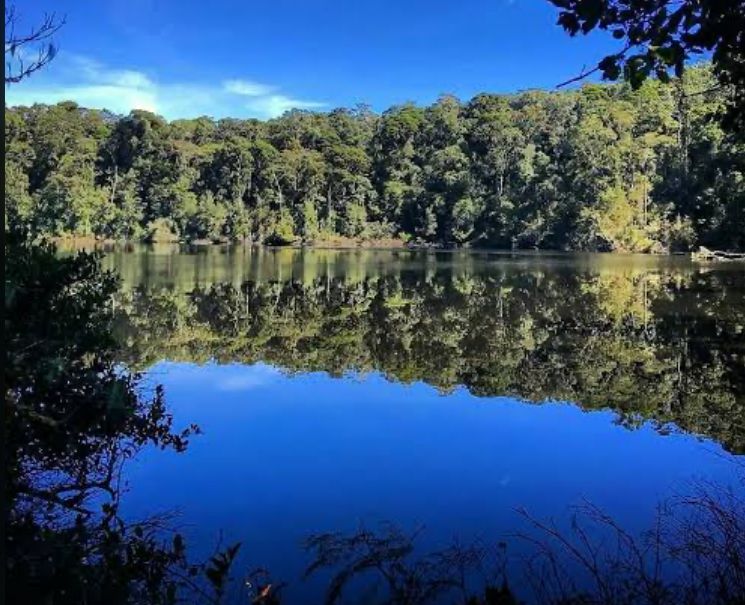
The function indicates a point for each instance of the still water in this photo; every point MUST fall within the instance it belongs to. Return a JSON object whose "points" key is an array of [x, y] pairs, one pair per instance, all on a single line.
{"points": [[444, 390]]}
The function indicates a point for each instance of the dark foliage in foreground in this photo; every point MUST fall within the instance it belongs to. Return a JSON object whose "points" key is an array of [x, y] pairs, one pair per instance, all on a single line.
{"points": [[657, 36], [73, 417], [469, 574], [694, 554]]}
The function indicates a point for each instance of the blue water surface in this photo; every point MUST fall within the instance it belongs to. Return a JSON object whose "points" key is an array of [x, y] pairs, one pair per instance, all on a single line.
{"points": [[286, 455]]}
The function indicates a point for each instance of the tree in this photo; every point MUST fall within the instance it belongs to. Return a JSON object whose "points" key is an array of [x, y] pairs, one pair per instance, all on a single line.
{"points": [[73, 417], [538, 335], [659, 35], [615, 222], [228, 172], [19, 210]]}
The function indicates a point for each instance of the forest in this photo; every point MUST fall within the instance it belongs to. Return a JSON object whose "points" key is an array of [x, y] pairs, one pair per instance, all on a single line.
{"points": [[603, 167]]}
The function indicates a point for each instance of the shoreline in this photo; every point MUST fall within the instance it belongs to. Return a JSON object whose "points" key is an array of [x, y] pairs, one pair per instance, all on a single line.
{"points": [[702, 255], [348, 244]]}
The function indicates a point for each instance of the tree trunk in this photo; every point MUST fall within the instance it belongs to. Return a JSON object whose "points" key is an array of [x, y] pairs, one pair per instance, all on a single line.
{"points": [[683, 134], [113, 184], [279, 192]]}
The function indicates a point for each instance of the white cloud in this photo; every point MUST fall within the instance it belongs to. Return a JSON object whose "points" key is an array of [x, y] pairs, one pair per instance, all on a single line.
{"points": [[91, 84], [119, 99], [130, 79], [213, 376], [263, 100], [247, 88], [275, 105], [248, 378]]}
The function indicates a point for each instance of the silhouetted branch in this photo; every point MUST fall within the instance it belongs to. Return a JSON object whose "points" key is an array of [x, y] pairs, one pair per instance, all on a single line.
{"points": [[20, 61], [694, 553], [408, 580], [585, 73]]}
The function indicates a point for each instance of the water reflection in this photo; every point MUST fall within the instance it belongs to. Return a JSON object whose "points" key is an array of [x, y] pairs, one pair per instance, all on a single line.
{"points": [[659, 339], [320, 397]]}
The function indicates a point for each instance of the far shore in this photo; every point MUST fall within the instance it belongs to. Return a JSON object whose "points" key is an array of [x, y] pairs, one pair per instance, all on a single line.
{"points": [[343, 243], [339, 243]]}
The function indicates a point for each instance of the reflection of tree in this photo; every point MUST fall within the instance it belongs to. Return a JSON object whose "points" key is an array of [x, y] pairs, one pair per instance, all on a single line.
{"points": [[693, 553], [396, 575], [667, 348], [73, 417]]}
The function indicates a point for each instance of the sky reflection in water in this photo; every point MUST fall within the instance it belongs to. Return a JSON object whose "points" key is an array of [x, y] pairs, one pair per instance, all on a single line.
{"points": [[286, 455]]}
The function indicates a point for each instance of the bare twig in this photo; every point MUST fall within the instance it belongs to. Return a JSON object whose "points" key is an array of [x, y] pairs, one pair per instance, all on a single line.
{"points": [[18, 65]]}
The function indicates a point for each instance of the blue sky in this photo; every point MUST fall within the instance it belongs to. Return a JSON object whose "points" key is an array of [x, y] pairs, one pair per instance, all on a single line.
{"points": [[258, 59]]}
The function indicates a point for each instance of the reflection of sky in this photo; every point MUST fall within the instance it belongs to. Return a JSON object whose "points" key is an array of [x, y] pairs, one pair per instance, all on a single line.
{"points": [[233, 377], [283, 456]]}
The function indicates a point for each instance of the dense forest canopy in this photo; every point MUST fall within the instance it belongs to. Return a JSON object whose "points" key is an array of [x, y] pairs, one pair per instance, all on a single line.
{"points": [[603, 167]]}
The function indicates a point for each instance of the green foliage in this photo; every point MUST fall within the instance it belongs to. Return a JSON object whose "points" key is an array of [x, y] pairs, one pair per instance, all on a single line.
{"points": [[162, 230], [205, 219], [120, 215], [283, 230], [602, 167], [464, 216], [237, 225], [18, 202], [311, 227], [662, 36], [618, 222], [355, 220]]}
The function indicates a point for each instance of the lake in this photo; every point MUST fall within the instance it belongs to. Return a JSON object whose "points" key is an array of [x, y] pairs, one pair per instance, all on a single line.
{"points": [[437, 389]]}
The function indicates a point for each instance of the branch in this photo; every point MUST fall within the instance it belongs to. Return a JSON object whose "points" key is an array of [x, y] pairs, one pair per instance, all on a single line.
{"points": [[15, 67], [66, 503], [585, 72]]}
